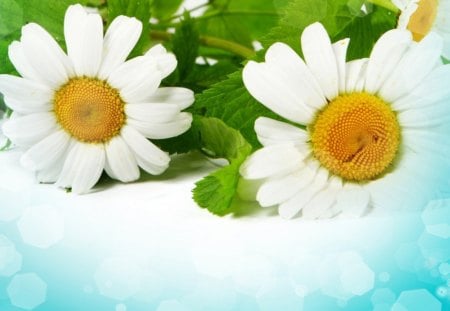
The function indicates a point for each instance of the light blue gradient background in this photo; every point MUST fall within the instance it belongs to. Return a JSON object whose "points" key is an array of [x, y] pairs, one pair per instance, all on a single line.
{"points": [[384, 255]]}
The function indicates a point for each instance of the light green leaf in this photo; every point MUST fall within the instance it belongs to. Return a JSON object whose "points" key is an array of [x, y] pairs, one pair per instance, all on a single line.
{"points": [[163, 9], [239, 21], [217, 191]]}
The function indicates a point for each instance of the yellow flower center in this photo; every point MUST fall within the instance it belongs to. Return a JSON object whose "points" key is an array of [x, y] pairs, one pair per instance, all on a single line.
{"points": [[90, 110], [356, 136], [422, 20]]}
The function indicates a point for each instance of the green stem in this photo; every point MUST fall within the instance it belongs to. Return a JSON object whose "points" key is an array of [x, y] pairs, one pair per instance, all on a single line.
{"points": [[387, 4], [210, 41]]}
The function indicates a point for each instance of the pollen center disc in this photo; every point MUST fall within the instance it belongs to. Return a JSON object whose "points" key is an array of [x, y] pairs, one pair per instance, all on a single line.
{"points": [[90, 110], [356, 137], [422, 20]]}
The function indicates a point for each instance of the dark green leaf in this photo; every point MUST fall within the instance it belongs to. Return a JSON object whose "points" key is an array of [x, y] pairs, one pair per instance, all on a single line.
{"points": [[217, 191], [229, 101], [185, 46]]}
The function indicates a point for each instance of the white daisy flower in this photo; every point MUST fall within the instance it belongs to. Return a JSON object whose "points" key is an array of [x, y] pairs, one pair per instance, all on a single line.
{"points": [[366, 134], [423, 16], [91, 110]]}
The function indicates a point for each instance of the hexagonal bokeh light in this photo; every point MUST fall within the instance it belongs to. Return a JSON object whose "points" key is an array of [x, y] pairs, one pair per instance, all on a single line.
{"points": [[417, 300], [10, 259], [27, 291], [33, 231]]}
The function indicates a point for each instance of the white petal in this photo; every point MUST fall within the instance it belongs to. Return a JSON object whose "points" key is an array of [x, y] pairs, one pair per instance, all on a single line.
{"points": [[356, 74], [436, 115], [432, 89], [46, 152], [407, 7], [136, 79], [323, 200], [173, 95], [24, 89], [84, 39], [297, 75], [120, 39], [121, 161], [45, 56], [83, 167], [340, 51], [21, 63], [385, 56], [268, 85], [353, 200], [166, 61], [272, 160], [271, 132], [291, 207], [280, 189], [149, 157], [27, 106], [177, 126], [30, 129], [153, 112], [52, 173], [415, 65], [320, 58]]}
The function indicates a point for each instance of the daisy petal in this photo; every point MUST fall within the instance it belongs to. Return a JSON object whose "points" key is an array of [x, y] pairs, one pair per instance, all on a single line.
{"points": [[268, 85], [166, 62], [45, 56], [21, 63], [27, 106], [415, 65], [297, 74], [84, 38], [353, 200], [30, 129], [120, 39], [340, 51], [320, 58], [152, 113], [385, 56], [323, 200], [46, 152], [271, 132], [272, 160], [177, 126], [83, 167], [431, 90], [136, 79], [149, 157], [24, 89], [173, 95], [279, 190], [291, 207], [121, 161], [356, 73]]}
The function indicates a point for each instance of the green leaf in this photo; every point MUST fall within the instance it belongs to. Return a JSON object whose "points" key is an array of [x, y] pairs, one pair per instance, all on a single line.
{"points": [[163, 9], [341, 18], [139, 9], [230, 101], [238, 21], [217, 191], [185, 46]]}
